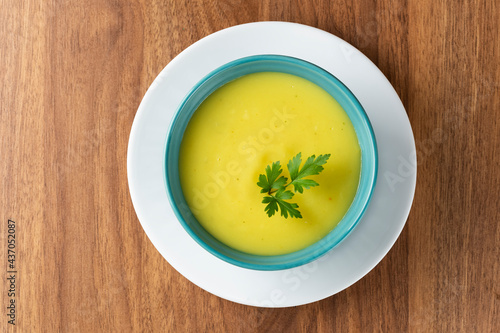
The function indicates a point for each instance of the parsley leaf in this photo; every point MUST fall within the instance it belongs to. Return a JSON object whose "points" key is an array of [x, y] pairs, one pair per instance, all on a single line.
{"points": [[286, 207], [276, 187], [272, 205], [278, 200], [269, 181], [312, 166]]}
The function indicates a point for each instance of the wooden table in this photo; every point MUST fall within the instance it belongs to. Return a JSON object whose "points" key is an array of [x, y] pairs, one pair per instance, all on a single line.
{"points": [[73, 74]]}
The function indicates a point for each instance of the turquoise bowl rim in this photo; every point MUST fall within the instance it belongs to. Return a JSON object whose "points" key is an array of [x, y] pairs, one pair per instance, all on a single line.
{"points": [[308, 71]]}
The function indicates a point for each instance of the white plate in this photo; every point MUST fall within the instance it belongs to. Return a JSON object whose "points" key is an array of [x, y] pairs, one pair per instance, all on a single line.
{"points": [[359, 252]]}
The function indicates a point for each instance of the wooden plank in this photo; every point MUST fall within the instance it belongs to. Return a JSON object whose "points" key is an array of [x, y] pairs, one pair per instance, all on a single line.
{"points": [[73, 76]]}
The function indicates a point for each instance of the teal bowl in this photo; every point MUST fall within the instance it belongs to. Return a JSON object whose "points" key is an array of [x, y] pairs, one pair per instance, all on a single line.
{"points": [[308, 71]]}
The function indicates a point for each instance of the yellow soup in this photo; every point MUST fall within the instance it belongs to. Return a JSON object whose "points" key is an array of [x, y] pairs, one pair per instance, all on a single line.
{"points": [[246, 125]]}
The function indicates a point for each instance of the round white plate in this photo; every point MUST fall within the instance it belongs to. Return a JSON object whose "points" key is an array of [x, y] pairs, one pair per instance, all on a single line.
{"points": [[359, 252]]}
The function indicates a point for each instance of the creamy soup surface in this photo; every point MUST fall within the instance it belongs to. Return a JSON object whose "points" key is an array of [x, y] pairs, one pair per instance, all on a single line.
{"points": [[246, 125]]}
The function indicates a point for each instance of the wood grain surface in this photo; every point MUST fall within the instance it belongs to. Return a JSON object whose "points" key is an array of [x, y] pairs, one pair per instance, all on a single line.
{"points": [[73, 74]]}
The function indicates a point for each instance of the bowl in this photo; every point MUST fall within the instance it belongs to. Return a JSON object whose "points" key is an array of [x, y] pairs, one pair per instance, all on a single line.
{"points": [[308, 71]]}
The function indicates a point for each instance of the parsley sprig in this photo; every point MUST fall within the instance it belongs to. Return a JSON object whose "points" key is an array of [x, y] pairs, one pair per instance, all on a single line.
{"points": [[275, 185]]}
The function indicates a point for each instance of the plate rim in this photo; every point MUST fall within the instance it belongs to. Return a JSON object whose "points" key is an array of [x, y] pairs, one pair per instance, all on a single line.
{"points": [[141, 114]]}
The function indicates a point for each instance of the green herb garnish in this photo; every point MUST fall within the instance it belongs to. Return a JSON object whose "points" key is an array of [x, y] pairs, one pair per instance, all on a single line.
{"points": [[275, 186]]}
